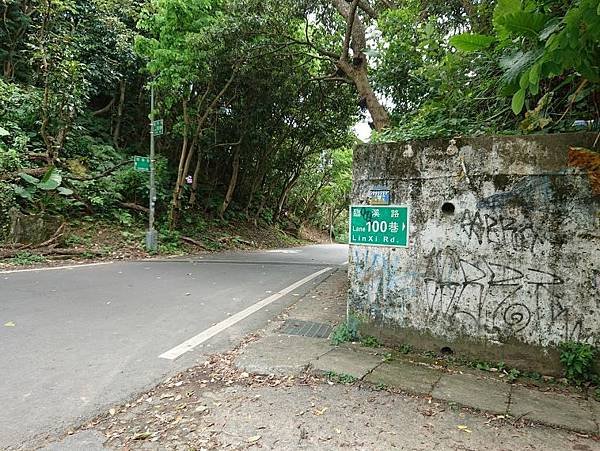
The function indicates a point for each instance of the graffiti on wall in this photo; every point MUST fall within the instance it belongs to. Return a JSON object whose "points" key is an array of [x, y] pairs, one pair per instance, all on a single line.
{"points": [[487, 228], [493, 297]]}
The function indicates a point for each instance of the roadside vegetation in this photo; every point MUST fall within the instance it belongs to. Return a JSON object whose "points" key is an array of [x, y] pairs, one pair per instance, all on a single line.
{"points": [[259, 99]]}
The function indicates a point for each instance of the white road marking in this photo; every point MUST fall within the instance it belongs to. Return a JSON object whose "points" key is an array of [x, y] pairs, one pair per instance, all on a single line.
{"points": [[190, 344], [56, 268]]}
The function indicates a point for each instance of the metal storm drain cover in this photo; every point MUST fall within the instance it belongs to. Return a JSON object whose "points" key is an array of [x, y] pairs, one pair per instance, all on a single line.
{"points": [[306, 328]]}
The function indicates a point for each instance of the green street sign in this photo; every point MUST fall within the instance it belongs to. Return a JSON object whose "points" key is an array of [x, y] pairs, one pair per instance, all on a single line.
{"points": [[141, 164], [379, 225], [158, 127]]}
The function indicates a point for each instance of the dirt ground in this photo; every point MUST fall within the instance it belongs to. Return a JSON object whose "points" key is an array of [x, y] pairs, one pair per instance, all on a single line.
{"points": [[217, 406]]}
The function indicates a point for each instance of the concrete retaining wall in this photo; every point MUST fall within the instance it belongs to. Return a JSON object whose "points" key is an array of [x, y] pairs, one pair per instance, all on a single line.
{"points": [[503, 259]]}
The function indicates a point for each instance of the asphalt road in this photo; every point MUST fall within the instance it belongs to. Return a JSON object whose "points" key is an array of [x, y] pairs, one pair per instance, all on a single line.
{"points": [[75, 341]]}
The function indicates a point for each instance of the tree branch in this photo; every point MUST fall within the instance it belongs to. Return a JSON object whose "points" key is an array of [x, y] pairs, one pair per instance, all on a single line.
{"points": [[349, 26], [101, 175], [369, 11], [105, 109]]}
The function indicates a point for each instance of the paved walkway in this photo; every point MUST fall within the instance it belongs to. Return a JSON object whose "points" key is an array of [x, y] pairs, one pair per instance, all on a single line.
{"points": [[284, 354]]}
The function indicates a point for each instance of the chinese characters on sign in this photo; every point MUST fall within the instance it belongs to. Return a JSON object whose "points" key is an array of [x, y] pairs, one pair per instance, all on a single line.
{"points": [[379, 226]]}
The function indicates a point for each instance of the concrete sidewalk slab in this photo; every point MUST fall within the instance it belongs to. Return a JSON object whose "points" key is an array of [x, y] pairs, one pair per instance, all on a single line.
{"points": [[344, 360], [472, 391], [553, 409], [281, 354], [326, 304], [405, 376]]}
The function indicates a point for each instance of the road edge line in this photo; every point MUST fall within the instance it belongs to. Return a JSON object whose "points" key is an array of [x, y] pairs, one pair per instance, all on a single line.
{"points": [[207, 334], [56, 268]]}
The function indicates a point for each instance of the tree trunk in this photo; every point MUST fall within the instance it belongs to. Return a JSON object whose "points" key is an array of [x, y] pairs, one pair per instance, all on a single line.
{"points": [[284, 194], [356, 67], [117, 131], [331, 225], [196, 175], [9, 69], [174, 213], [232, 182], [379, 114]]}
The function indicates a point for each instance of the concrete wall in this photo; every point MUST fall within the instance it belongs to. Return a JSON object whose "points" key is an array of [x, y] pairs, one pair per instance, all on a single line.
{"points": [[511, 270]]}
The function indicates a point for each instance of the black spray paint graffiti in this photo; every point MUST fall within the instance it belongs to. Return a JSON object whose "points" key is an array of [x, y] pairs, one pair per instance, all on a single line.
{"points": [[498, 298], [499, 230]]}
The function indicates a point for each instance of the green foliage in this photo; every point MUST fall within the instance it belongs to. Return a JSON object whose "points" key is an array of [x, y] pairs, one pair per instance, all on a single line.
{"points": [[170, 241], [26, 258], [536, 56], [578, 361], [482, 365], [76, 240], [346, 332], [405, 348], [51, 181], [322, 194], [513, 374], [542, 40], [370, 342], [532, 375], [388, 357], [7, 201], [342, 378], [471, 42]]}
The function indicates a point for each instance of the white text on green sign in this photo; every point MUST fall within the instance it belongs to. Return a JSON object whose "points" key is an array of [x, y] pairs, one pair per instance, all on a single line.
{"points": [[141, 164], [379, 226], [158, 127]]}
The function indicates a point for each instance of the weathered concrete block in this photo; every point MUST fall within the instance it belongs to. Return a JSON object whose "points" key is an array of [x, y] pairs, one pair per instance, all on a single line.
{"points": [[32, 229], [503, 257]]}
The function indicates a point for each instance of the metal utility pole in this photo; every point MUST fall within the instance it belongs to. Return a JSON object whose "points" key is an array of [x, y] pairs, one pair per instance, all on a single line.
{"points": [[151, 234]]}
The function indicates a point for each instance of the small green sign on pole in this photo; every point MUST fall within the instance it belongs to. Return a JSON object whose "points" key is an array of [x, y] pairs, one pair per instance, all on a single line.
{"points": [[141, 164], [158, 127], [379, 225]]}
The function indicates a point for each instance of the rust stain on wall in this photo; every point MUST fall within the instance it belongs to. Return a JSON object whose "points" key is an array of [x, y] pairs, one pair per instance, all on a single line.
{"points": [[589, 161]]}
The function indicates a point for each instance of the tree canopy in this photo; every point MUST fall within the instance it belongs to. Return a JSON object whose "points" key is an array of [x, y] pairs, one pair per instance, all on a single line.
{"points": [[259, 97]]}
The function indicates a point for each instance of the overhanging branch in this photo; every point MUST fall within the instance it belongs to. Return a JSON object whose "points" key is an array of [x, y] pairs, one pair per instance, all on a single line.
{"points": [[351, 15]]}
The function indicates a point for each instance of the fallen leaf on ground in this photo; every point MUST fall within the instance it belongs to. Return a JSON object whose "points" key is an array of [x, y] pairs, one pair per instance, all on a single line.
{"points": [[142, 435], [464, 428], [9, 324], [254, 439], [321, 412], [112, 411]]}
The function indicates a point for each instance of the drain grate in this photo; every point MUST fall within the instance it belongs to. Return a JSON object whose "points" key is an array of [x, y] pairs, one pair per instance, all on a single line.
{"points": [[306, 328]]}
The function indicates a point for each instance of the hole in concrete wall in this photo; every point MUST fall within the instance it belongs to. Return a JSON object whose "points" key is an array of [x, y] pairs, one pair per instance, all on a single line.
{"points": [[446, 350], [448, 208]]}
